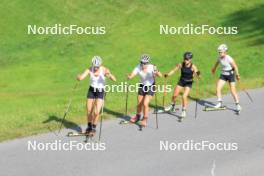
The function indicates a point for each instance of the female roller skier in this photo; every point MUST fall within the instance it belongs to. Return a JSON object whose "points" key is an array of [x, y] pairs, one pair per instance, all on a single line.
{"points": [[96, 93], [188, 72], [229, 71], [147, 73]]}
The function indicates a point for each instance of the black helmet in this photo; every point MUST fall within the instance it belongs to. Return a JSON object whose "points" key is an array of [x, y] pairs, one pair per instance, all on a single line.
{"points": [[187, 55]]}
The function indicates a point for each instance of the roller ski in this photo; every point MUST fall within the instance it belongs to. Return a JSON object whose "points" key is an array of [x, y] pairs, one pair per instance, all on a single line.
{"points": [[76, 134], [210, 108], [169, 109], [127, 122], [217, 107], [133, 120], [88, 134]]}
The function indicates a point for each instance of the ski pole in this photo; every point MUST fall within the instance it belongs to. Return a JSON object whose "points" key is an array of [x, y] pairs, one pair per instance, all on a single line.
{"points": [[69, 104], [246, 92], [126, 100], [157, 122], [196, 100], [164, 92], [156, 105], [196, 108], [101, 118]]}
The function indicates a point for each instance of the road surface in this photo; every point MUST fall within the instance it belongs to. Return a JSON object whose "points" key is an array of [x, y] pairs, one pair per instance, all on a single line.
{"points": [[131, 152]]}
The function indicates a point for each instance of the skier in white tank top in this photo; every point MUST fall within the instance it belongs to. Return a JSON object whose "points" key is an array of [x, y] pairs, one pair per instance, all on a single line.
{"points": [[147, 73], [229, 73], [97, 81], [95, 95]]}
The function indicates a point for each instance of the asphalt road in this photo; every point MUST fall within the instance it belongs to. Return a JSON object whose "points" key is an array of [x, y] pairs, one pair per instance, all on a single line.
{"points": [[129, 151]]}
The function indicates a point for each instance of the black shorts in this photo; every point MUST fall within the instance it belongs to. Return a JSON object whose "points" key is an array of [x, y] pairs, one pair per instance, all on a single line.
{"points": [[184, 83], [146, 90], [95, 93], [230, 78]]}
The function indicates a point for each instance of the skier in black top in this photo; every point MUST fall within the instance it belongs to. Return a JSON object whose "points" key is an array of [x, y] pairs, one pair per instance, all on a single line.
{"points": [[188, 71]]}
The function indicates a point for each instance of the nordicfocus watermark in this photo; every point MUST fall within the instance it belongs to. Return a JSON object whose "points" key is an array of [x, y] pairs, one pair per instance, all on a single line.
{"points": [[126, 87], [191, 29], [191, 145], [59, 29], [59, 145]]}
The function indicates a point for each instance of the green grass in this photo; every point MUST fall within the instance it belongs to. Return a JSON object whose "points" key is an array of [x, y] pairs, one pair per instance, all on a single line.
{"points": [[37, 73]]}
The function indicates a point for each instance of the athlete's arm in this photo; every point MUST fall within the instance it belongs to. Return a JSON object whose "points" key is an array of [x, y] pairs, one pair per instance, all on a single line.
{"points": [[157, 72], [83, 75], [109, 75], [173, 70], [215, 66], [131, 75], [234, 66], [196, 72]]}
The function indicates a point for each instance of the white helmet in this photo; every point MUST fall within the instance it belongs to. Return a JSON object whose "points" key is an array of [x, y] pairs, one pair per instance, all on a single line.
{"points": [[96, 61], [144, 58], [222, 48]]}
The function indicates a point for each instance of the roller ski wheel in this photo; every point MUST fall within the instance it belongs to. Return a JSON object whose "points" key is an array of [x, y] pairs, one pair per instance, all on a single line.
{"points": [[238, 109], [180, 119], [182, 116], [92, 133], [89, 136], [142, 124]]}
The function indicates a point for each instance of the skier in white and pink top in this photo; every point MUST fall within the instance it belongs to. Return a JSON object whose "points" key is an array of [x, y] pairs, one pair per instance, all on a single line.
{"points": [[229, 73]]}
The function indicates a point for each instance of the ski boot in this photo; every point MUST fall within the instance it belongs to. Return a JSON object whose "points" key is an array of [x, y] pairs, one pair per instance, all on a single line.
{"points": [[238, 108], [135, 119], [170, 108]]}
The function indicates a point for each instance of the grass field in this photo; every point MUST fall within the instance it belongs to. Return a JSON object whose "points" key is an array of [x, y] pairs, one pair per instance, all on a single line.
{"points": [[37, 72]]}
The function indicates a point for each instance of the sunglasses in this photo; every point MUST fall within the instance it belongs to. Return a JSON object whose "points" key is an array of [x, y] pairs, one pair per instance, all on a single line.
{"points": [[143, 63]]}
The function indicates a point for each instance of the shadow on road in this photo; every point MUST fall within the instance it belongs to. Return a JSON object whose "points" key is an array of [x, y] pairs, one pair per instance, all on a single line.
{"points": [[114, 113], [151, 105], [202, 102], [66, 123]]}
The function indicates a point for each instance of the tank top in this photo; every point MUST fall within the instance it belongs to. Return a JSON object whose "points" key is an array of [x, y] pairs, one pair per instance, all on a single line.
{"points": [[99, 80], [146, 78], [225, 63], [186, 73]]}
